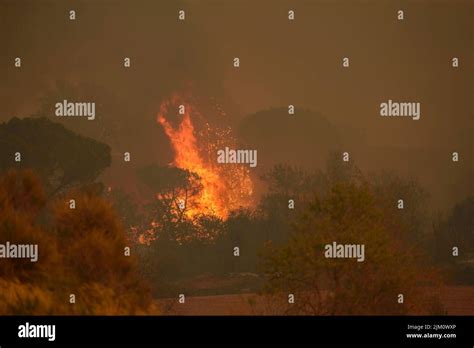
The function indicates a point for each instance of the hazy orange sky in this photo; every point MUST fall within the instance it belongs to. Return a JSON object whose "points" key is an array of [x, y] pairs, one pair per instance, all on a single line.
{"points": [[282, 62]]}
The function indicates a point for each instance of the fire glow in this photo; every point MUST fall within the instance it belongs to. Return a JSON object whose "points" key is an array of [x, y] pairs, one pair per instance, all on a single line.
{"points": [[224, 187]]}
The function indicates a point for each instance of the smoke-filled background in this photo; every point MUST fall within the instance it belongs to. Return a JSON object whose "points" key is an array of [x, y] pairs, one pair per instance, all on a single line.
{"points": [[282, 62]]}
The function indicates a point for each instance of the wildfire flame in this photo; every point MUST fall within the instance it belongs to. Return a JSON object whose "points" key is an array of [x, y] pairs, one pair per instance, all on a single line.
{"points": [[225, 187]]}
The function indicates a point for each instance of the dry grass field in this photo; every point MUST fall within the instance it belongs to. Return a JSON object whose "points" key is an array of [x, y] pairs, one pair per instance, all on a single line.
{"points": [[458, 300]]}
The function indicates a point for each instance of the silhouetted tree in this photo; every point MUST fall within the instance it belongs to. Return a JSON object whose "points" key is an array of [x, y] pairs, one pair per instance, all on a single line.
{"points": [[412, 223], [61, 157], [173, 188], [456, 231]]}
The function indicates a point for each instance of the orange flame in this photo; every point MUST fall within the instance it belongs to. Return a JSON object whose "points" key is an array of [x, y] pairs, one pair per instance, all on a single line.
{"points": [[224, 187]]}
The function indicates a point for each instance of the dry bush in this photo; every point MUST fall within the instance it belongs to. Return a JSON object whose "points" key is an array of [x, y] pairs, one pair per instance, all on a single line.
{"points": [[21, 199], [81, 252], [18, 298], [348, 214]]}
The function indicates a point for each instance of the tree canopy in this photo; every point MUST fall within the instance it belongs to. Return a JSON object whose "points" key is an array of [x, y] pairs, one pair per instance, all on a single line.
{"points": [[348, 213], [59, 156]]}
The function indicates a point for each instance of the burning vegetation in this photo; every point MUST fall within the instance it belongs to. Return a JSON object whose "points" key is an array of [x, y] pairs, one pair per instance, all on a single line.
{"points": [[224, 187]]}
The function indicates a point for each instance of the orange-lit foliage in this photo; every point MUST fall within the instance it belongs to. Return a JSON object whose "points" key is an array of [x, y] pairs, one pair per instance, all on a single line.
{"points": [[81, 252], [21, 198]]}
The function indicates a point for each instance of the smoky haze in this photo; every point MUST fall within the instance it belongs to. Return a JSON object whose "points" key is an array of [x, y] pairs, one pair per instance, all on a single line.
{"points": [[281, 62]]}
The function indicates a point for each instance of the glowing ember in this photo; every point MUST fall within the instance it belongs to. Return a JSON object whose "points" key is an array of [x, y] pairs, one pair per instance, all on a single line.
{"points": [[224, 187]]}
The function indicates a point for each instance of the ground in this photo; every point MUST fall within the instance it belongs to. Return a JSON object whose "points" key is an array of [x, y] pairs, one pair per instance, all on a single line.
{"points": [[458, 300]]}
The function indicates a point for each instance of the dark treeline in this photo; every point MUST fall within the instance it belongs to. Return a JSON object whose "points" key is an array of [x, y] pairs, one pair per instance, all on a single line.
{"points": [[280, 241]]}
